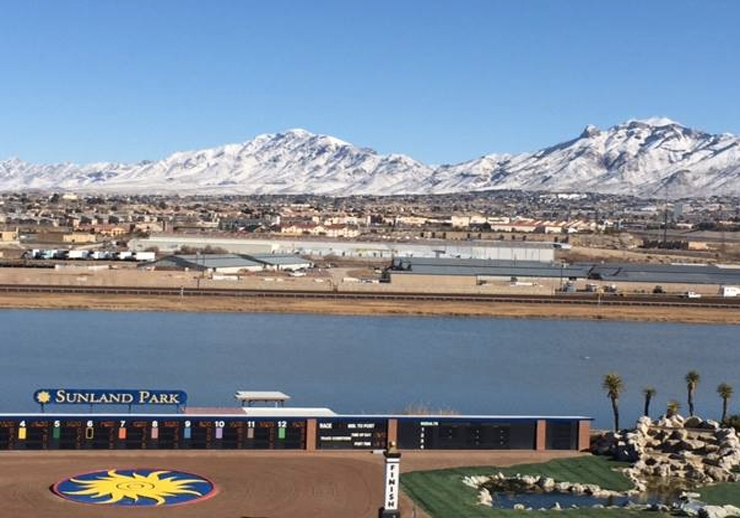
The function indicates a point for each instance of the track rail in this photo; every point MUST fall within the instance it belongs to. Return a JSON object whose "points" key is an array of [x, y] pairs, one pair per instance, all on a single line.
{"points": [[576, 299]]}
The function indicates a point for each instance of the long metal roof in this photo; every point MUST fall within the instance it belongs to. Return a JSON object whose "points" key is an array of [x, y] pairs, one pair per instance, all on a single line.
{"points": [[666, 273], [609, 272], [494, 268], [279, 259]]}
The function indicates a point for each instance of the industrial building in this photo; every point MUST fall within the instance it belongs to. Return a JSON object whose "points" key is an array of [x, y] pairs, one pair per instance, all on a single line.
{"points": [[635, 277], [496, 250], [475, 271], [666, 273], [286, 262]]}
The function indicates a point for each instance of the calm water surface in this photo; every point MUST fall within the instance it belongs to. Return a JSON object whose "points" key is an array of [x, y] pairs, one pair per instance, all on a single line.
{"points": [[367, 364]]}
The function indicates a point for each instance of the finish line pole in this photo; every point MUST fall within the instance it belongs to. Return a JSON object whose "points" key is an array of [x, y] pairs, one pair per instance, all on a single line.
{"points": [[392, 482]]}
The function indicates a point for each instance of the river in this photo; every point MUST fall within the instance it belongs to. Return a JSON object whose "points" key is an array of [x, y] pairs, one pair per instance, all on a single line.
{"points": [[368, 364]]}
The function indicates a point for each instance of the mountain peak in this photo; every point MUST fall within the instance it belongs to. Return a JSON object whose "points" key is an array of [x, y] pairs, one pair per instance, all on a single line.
{"points": [[590, 131], [656, 122], [302, 134], [299, 132], [14, 160]]}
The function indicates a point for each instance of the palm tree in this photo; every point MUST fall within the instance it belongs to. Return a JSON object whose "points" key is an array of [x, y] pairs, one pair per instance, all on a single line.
{"points": [[725, 392], [673, 407], [692, 380], [648, 392], [613, 386]]}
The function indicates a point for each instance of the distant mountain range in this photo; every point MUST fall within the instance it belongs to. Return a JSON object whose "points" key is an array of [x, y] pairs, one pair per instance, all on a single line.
{"points": [[652, 157]]}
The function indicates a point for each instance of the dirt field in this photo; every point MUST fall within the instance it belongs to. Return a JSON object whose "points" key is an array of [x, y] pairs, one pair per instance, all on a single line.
{"points": [[249, 484], [360, 307]]}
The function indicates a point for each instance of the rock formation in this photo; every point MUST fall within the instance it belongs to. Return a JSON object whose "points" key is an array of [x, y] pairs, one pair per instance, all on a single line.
{"points": [[689, 451]]}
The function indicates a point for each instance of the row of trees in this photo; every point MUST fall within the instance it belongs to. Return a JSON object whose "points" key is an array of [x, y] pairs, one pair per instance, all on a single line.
{"points": [[614, 386]]}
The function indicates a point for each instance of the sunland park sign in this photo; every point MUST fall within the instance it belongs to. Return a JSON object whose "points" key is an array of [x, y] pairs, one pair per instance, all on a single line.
{"points": [[63, 396]]}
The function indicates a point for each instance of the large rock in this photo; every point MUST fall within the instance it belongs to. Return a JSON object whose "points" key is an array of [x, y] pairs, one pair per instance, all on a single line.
{"points": [[529, 480], [626, 452], [547, 484], [711, 425], [485, 498], [679, 435], [693, 422], [671, 422], [643, 425], [710, 448], [713, 511], [689, 445], [562, 487]]}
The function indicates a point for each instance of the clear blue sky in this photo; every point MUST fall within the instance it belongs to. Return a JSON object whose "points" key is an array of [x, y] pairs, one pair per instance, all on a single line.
{"points": [[89, 80]]}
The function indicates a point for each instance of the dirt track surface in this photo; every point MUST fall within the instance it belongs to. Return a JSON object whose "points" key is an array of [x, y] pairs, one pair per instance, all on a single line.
{"points": [[365, 307], [249, 484]]}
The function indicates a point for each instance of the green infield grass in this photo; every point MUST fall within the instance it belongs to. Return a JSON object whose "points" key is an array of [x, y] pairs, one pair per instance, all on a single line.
{"points": [[721, 494], [442, 494]]}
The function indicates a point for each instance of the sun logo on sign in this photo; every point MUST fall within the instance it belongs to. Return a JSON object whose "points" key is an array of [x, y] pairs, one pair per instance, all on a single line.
{"points": [[141, 487], [43, 397]]}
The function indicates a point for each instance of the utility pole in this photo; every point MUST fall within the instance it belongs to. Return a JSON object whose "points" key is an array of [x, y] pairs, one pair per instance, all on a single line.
{"points": [[720, 222], [665, 226]]}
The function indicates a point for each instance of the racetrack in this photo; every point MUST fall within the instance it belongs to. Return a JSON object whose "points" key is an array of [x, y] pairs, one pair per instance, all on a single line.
{"points": [[249, 484], [254, 485]]}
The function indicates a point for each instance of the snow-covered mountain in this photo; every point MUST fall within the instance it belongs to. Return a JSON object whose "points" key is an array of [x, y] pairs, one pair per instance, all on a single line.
{"points": [[640, 157]]}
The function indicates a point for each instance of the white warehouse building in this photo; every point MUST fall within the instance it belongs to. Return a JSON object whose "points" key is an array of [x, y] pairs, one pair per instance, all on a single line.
{"points": [[498, 250]]}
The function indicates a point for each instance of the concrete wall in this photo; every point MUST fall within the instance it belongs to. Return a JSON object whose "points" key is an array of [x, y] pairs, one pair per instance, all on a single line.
{"points": [[584, 435], [531, 285], [427, 282]]}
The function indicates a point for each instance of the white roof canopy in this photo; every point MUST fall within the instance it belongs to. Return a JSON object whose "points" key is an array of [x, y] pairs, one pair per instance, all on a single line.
{"points": [[247, 397], [292, 412]]}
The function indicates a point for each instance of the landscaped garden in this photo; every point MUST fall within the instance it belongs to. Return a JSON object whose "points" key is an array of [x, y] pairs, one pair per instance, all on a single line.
{"points": [[442, 493], [671, 466]]}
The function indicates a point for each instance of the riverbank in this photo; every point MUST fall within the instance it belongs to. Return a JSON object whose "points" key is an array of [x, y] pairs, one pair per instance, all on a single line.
{"points": [[370, 307]]}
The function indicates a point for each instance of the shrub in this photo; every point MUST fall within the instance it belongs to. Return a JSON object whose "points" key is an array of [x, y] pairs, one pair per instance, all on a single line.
{"points": [[733, 421]]}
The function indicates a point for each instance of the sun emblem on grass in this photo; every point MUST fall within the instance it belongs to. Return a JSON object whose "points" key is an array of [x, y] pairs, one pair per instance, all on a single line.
{"points": [[135, 487], [43, 397]]}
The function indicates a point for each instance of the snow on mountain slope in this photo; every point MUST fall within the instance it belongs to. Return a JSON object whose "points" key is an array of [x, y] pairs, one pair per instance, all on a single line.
{"points": [[640, 157]]}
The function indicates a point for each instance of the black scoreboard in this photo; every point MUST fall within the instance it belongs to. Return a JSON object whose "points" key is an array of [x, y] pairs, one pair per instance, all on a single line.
{"points": [[562, 435], [461, 434], [241, 432], [351, 434], [149, 432]]}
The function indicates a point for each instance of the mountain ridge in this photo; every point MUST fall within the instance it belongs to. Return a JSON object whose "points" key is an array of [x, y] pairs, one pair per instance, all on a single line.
{"points": [[648, 157]]}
